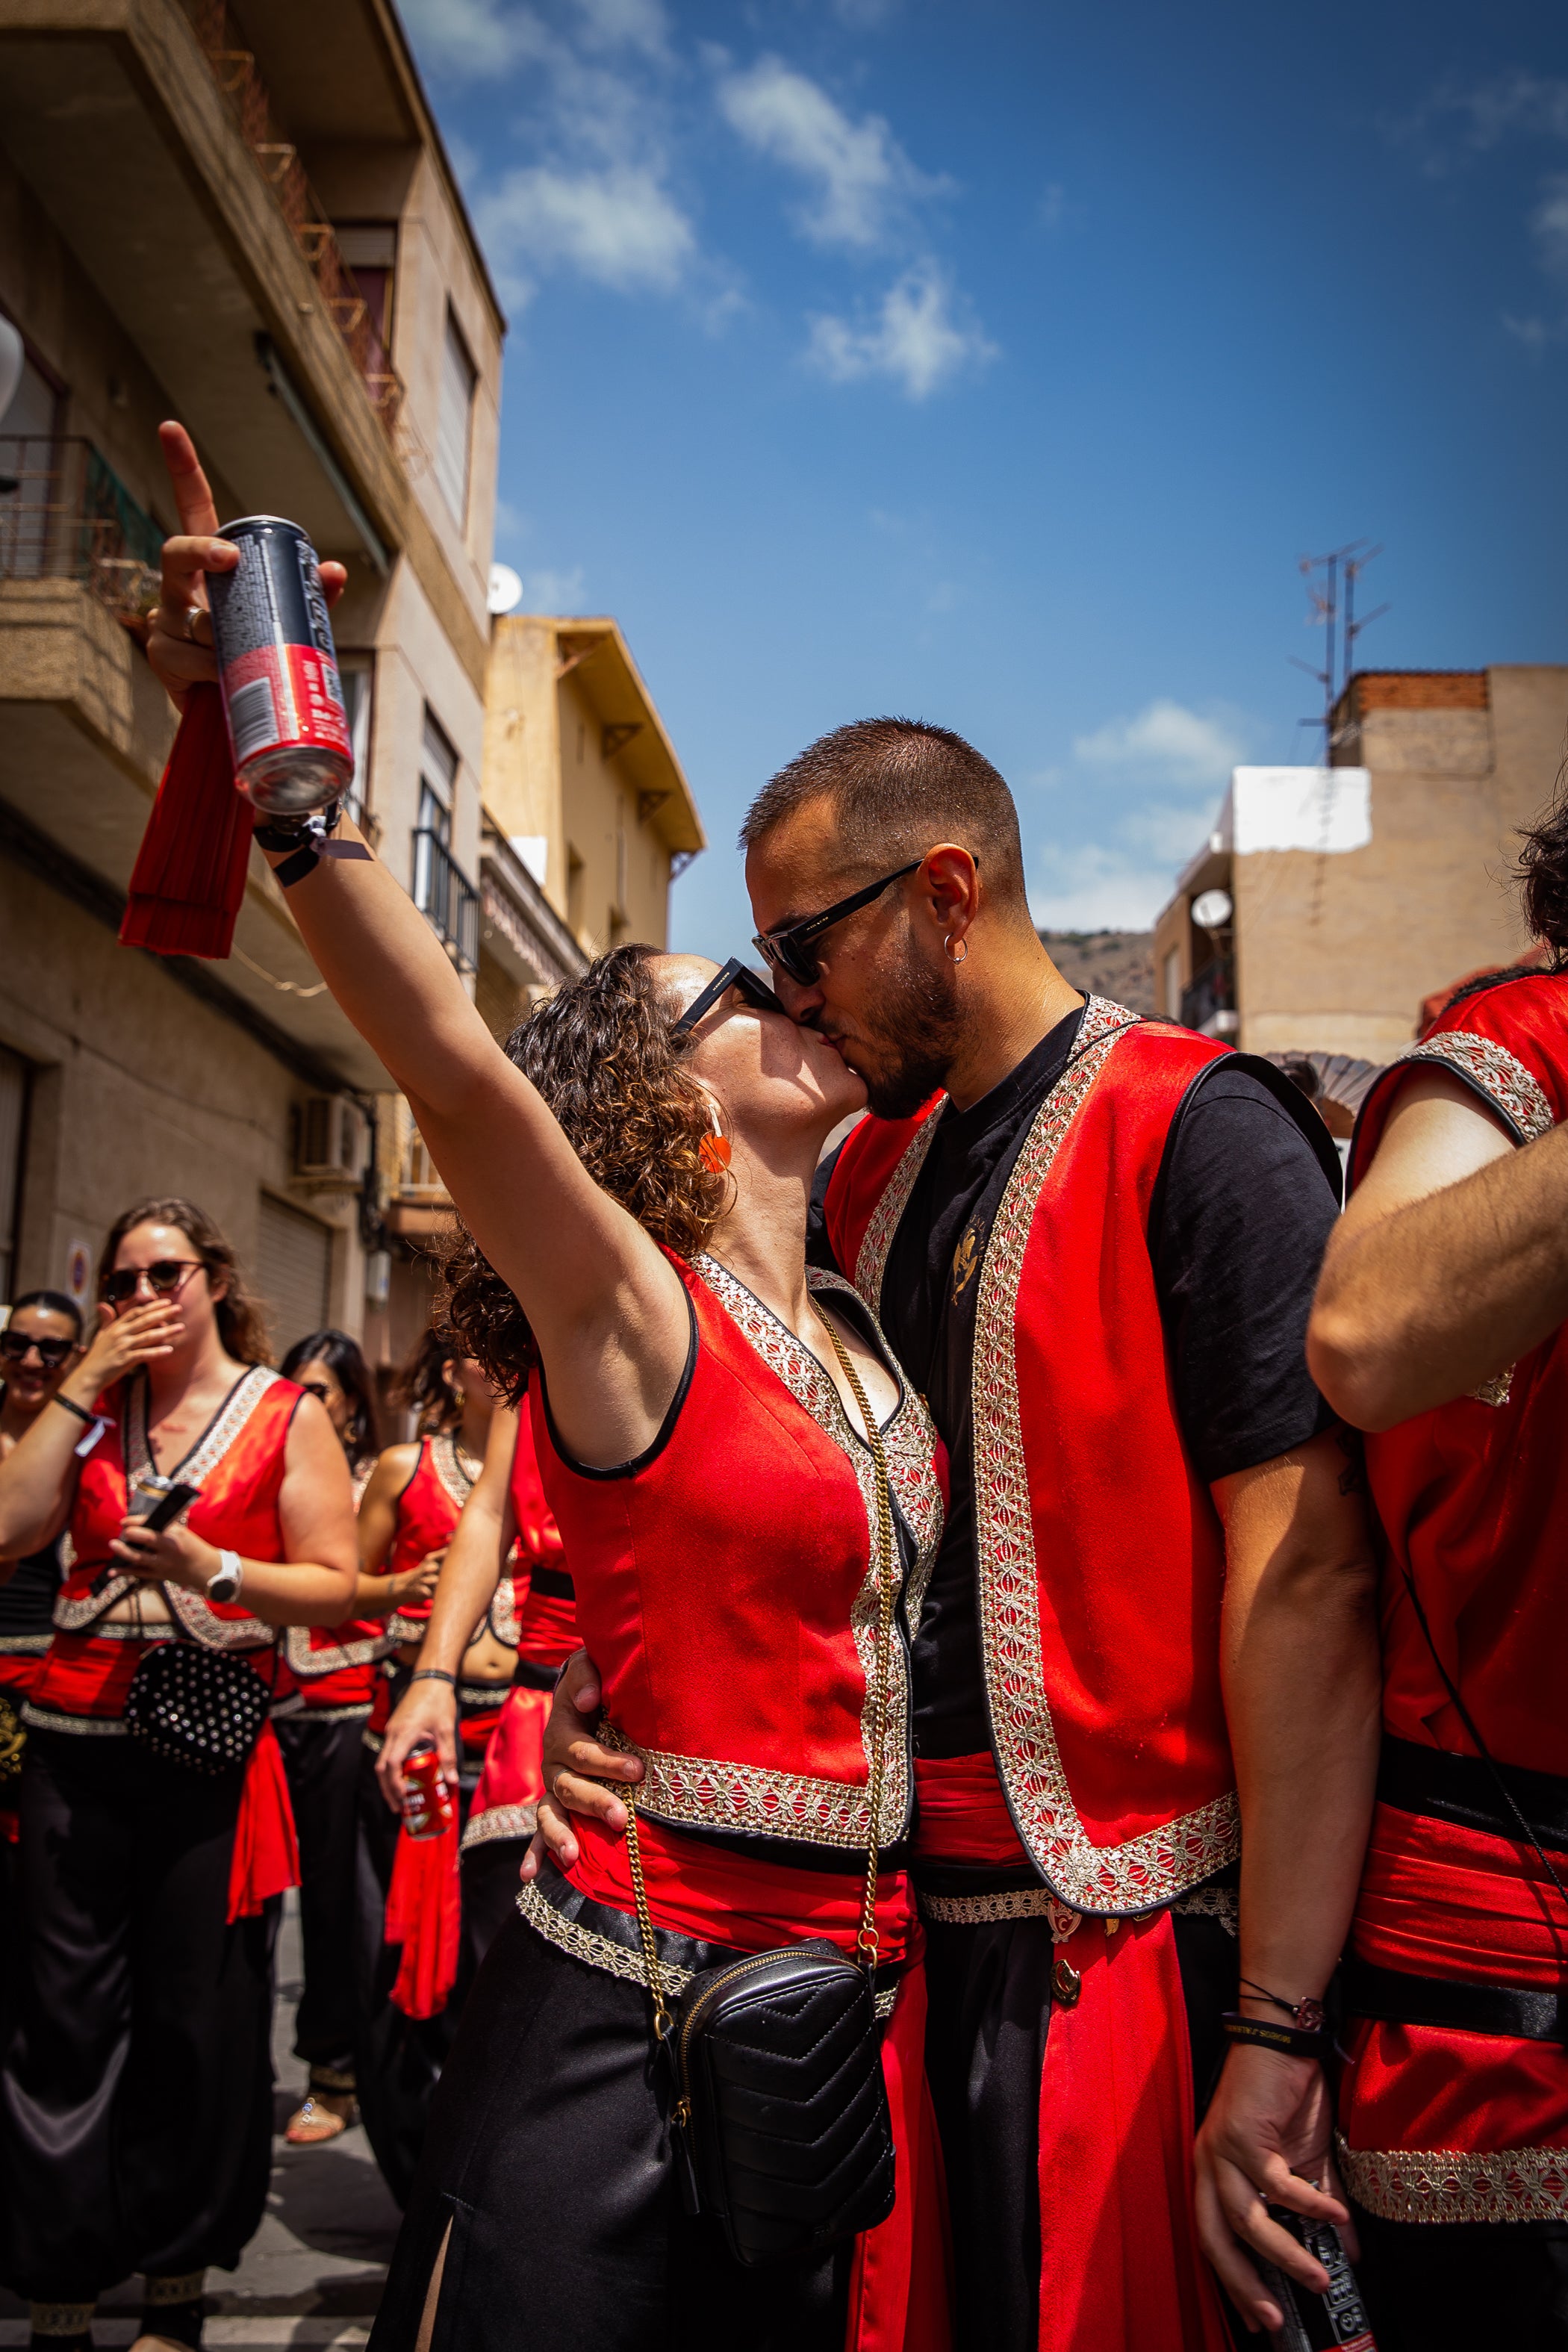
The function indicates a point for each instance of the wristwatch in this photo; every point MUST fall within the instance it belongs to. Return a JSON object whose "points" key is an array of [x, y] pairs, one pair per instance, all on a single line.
{"points": [[225, 1582]]}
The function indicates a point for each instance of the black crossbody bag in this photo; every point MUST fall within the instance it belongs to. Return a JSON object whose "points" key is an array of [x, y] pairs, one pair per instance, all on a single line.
{"points": [[779, 2122]]}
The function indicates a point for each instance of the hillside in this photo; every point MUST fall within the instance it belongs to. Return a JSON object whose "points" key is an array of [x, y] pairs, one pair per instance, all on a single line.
{"points": [[1118, 964]]}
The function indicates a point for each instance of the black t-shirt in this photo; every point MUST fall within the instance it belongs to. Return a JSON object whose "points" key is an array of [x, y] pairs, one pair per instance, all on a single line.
{"points": [[1240, 1220]]}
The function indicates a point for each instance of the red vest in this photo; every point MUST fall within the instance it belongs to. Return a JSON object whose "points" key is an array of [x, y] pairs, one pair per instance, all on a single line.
{"points": [[726, 1589], [429, 1511], [239, 1464], [1440, 2125], [1100, 1554]]}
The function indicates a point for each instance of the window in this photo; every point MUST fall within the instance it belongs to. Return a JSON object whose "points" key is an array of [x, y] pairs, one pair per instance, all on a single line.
{"points": [[13, 1122], [358, 674], [455, 417], [437, 782], [30, 458], [370, 249], [293, 1270]]}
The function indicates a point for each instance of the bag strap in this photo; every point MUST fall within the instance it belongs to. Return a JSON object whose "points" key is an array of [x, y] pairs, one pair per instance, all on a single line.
{"points": [[867, 1939], [1463, 1712]]}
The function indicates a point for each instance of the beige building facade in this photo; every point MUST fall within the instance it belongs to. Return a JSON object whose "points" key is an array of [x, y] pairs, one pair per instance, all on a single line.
{"points": [[247, 222], [1329, 902]]}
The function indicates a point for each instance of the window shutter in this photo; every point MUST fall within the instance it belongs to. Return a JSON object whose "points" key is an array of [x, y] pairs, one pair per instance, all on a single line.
{"points": [[293, 1268], [458, 380]]}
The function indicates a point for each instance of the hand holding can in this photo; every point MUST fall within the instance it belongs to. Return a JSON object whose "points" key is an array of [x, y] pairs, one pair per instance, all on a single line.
{"points": [[428, 1809]]}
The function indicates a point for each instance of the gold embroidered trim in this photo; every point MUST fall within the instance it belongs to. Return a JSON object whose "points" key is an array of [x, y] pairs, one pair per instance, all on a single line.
{"points": [[1011, 1902], [1500, 1075], [400, 1629], [498, 1821], [704, 1793], [502, 1614], [579, 1943], [191, 1609], [311, 1664], [1509, 2184], [357, 1713], [188, 2288], [909, 1441], [60, 2318], [88, 1727], [1496, 1389], [1150, 1869], [72, 1616], [23, 1645], [451, 1466], [871, 1263], [1221, 1902]]}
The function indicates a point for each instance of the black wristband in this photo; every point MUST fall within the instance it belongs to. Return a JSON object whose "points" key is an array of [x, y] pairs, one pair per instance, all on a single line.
{"points": [[1287, 2039], [433, 1675], [80, 1412]]}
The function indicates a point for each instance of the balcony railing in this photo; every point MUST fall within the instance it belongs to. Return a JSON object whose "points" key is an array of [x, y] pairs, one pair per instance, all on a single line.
{"points": [[1213, 992], [447, 899], [277, 161], [66, 515]]}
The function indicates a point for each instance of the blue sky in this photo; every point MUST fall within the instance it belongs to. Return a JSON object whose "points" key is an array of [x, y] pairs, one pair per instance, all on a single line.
{"points": [[996, 364]]}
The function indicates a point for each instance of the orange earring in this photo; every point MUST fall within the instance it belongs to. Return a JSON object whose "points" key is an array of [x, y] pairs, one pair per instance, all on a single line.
{"points": [[714, 1153]]}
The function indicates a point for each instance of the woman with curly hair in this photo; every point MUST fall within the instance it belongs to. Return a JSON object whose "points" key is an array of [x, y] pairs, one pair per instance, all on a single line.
{"points": [[750, 1498], [136, 2125]]}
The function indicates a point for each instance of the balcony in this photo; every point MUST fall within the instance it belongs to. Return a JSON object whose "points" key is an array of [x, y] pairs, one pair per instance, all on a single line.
{"points": [[65, 514], [447, 899], [1208, 1004], [521, 929]]}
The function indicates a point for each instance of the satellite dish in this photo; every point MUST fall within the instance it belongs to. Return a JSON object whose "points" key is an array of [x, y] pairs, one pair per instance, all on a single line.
{"points": [[12, 357], [505, 589], [1212, 911]]}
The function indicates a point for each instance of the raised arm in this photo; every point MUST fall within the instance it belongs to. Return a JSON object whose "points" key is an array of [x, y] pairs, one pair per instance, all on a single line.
{"points": [[37, 1480], [469, 1574], [608, 1312], [1449, 1263], [376, 1593]]}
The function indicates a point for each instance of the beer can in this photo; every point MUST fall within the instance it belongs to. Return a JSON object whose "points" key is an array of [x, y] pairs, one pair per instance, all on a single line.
{"points": [[1332, 2321], [278, 670], [428, 1808]]}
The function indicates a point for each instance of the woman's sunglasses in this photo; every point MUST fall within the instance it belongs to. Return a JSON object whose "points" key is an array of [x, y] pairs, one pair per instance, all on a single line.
{"points": [[748, 986], [166, 1279], [51, 1353]]}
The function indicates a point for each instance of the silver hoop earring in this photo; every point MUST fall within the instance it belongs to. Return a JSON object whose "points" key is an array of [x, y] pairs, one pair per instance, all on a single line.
{"points": [[963, 949]]}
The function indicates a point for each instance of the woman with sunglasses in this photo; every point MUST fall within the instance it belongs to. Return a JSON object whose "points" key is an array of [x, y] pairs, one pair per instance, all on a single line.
{"points": [[323, 1750], [411, 1510], [137, 2081], [37, 1347], [751, 1499]]}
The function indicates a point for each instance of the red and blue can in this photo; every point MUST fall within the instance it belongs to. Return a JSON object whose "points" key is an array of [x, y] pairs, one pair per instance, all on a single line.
{"points": [[428, 1808], [278, 670]]}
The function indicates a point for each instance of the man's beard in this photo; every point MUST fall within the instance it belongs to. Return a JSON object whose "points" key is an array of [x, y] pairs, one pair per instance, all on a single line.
{"points": [[915, 1036]]}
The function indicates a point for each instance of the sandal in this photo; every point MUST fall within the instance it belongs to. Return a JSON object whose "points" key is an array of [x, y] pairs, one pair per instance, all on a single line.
{"points": [[325, 2114]]}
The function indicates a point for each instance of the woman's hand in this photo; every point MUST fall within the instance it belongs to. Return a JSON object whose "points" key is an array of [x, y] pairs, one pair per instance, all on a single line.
{"points": [[120, 1343], [165, 1556], [414, 1583], [179, 638], [427, 1711], [1266, 2140], [571, 1751]]}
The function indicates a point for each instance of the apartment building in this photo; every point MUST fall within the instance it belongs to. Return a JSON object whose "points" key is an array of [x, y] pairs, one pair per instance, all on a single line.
{"points": [[1327, 902], [245, 219]]}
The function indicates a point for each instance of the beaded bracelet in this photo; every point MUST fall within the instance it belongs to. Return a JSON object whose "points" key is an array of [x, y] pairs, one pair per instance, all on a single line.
{"points": [[433, 1675]]}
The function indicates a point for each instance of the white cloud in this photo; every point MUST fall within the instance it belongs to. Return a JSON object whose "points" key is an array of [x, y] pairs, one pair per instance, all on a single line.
{"points": [[470, 40], [625, 25], [1168, 740], [1548, 226], [554, 592], [914, 339], [1096, 887], [860, 177], [620, 225]]}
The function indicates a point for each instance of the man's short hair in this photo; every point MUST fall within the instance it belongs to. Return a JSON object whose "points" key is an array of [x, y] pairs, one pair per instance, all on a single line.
{"points": [[897, 787]]}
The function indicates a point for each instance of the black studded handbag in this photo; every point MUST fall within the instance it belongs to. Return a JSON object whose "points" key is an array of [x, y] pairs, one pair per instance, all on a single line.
{"points": [[780, 2124], [197, 1707]]}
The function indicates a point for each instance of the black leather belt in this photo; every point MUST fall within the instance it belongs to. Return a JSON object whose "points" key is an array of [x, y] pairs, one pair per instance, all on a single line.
{"points": [[555, 1583], [534, 1677], [1461, 1790], [1464, 2006]]}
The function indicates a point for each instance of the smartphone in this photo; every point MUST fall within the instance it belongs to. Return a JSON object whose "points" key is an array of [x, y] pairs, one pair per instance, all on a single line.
{"points": [[159, 1509]]}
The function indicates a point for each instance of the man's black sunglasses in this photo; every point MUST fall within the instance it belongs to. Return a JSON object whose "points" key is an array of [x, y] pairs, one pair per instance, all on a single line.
{"points": [[791, 948], [753, 991], [52, 1353]]}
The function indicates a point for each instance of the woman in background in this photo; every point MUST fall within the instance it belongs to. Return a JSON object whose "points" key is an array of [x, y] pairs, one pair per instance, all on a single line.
{"points": [[135, 2102], [409, 1513], [40, 1344], [323, 1746]]}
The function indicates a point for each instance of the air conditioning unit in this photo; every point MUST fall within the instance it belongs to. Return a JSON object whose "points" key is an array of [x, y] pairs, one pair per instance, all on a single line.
{"points": [[329, 1139]]}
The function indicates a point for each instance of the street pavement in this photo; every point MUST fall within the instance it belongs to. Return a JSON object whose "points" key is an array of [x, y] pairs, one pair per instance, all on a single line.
{"points": [[312, 2274]]}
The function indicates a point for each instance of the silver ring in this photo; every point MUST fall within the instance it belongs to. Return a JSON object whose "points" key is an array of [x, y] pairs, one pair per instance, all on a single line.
{"points": [[188, 626]]}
